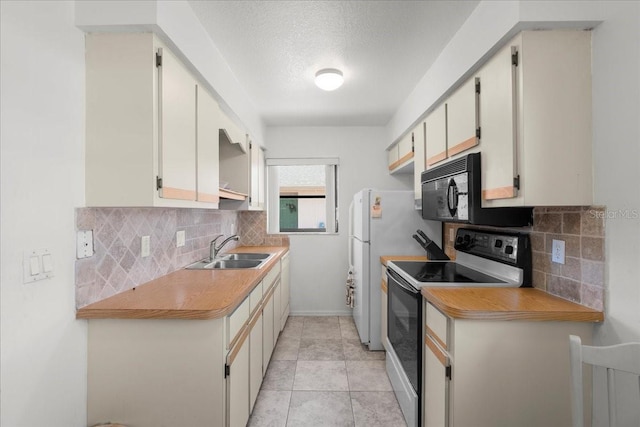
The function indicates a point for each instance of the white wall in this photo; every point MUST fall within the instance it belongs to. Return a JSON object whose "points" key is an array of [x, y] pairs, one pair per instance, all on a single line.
{"points": [[319, 262], [43, 349], [616, 133]]}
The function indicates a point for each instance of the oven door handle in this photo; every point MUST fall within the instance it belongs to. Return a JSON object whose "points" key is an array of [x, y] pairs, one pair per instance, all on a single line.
{"points": [[400, 281]]}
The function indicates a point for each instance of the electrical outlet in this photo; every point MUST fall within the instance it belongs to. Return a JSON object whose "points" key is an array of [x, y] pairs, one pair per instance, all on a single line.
{"points": [[180, 238], [145, 246], [557, 251], [84, 244], [452, 236]]}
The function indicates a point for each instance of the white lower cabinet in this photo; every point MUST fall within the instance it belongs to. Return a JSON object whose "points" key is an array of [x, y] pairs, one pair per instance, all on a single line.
{"points": [[152, 372], [488, 373], [285, 283], [238, 382], [255, 357]]}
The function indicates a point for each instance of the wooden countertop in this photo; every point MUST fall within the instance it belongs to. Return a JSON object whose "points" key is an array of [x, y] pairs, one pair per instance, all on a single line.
{"points": [[386, 258], [507, 304], [185, 294]]}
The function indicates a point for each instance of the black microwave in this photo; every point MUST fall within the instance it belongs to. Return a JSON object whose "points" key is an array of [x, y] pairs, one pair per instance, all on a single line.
{"points": [[452, 192]]}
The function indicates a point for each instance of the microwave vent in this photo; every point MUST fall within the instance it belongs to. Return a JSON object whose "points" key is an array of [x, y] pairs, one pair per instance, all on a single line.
{"points": [[451, 168]]}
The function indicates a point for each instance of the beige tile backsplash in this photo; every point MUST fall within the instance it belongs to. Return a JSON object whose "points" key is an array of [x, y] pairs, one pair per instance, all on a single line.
{"points": [[117, 265], [582, 277]]}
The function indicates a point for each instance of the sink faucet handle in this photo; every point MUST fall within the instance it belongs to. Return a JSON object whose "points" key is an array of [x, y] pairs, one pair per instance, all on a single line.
{"points": [[215, 239]]}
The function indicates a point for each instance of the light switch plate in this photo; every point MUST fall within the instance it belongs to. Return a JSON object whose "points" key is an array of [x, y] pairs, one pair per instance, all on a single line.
{"points": [[37, 265]]}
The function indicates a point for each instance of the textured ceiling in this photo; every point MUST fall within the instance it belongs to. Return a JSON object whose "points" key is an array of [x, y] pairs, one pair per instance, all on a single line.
{"points": [[274, 49]]}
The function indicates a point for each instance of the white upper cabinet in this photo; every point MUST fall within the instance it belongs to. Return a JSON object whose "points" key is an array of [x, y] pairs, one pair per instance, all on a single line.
{"points": [[208, 124], [257, 176], [462, 118], [400, 155], [418, 161], [552, 156], [177, 136], [141, 131], [436, 136]]}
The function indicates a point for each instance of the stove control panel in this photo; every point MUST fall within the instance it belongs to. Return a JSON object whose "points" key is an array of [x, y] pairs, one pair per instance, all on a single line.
{"points": [[508, 248]]}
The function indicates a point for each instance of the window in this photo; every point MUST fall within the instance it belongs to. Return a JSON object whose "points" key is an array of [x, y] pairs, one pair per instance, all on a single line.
{"points": [[303, 195]]}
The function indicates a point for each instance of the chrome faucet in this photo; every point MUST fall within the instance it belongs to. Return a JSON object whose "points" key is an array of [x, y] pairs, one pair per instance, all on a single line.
{"points": [[213, 249]]}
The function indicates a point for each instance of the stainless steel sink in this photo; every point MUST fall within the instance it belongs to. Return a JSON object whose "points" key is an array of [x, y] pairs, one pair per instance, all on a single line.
{"points": [[231, 261]]}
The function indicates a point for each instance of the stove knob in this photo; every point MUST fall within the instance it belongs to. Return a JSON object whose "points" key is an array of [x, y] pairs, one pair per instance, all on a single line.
{"points": [[508, 249], [498, 243]]}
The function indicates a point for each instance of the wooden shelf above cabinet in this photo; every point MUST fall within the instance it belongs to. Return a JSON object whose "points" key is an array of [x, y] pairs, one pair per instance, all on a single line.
{"points": [[230, 194]]}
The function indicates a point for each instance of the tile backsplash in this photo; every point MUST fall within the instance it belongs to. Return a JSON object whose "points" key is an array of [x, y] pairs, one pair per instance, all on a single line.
{"points": [[117, 265], [582, 277]]}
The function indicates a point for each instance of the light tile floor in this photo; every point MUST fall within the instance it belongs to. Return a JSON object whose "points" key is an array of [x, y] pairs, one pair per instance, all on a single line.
{"points": [[321, 375]]}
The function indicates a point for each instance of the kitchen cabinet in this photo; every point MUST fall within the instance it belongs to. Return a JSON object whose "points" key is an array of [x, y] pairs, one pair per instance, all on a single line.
{"points": [[267, 330], [285, 283], [242, 168], [208, 115], [189, 371], [497, 372], [436, 136], [400, 155], [141, 132], [255, 357], [257, 176], [536, 121], [419, 162], [238, 381], [452, 127]]}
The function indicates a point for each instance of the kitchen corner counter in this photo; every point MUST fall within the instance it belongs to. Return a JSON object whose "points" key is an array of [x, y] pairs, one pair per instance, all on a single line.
{"points": [[507, 304], [186, 294]]}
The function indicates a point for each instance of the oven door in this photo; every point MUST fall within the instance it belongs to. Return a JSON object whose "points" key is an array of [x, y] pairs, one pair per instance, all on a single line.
{"points": [[404, 327]]}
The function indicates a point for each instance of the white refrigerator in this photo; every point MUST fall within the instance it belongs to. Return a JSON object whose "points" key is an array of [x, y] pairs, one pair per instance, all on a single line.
{"points": [[380, 223]]}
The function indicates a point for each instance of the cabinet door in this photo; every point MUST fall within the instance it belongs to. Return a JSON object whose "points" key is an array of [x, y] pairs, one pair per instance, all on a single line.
{"points": [[267, 332], [257, 193], [436, 136], [255, 358], [498, 125], [462, 118], [392, 156], [285, 283], [238, 383], [418, 161], [436, 385], [208, 124], [177, 136], [277, 310]]}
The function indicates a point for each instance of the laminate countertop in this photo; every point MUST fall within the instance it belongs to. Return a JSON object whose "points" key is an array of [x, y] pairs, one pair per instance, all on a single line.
{"points": [[186, 294], [507, 304], [386, 258]]}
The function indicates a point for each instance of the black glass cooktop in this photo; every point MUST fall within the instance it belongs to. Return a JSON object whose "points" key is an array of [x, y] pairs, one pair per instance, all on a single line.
{"points": [[443, 272]]}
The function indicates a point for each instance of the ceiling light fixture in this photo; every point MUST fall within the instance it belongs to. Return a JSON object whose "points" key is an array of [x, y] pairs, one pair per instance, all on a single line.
{"points": [[329, 79]]}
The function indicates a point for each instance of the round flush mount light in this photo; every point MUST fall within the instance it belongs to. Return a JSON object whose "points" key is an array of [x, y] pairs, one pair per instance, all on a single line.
{"points": [[329, 79]]}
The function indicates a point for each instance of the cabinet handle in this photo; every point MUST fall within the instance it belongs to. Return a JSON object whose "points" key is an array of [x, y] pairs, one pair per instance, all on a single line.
{"points": [[442, 357]]}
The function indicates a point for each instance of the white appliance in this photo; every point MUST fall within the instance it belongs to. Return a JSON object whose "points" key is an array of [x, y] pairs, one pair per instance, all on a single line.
{"points": [[380, 223]]}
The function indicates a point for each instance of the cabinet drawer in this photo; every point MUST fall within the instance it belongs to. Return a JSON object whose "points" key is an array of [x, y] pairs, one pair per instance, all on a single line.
{"points": [[236, 320], [437, 326], [255, 297], [270, 278]]}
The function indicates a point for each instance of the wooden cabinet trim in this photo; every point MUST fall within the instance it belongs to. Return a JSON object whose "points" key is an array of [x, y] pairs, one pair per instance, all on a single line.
{"points": [[442, 357], [499, 193], [437, 158], [464, 145], [385, 289], [209, 198], [178, 193], [235, 348], [398, 162], [436, 338]]}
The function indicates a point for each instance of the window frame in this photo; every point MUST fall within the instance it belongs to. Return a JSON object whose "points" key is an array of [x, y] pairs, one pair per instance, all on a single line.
{"points": [[331, 194]]}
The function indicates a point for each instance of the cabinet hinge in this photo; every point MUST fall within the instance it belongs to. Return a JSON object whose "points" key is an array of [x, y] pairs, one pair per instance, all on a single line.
{"points": [[249, 199], [514, 58], [478, 132], [447, 372], [478, 86], [516, 182], [227, 370], [158, 183]]}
